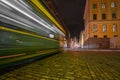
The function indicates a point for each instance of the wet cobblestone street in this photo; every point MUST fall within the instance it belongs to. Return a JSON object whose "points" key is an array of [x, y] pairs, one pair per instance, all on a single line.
{"points": [[82, 65]]}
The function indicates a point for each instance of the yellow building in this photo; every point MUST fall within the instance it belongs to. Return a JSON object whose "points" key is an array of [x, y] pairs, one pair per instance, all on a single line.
{"points": [[102, 24]]}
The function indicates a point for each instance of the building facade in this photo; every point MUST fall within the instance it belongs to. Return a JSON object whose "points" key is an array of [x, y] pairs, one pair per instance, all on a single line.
{"points": [[102, 24]]}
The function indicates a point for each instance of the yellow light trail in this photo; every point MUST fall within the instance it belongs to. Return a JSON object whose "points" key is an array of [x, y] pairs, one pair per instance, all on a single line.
{"points": [[41, 7]]}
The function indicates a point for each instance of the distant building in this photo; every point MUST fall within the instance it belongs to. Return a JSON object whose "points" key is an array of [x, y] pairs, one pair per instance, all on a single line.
{"points": [[81, 40], [74, 43], [102, 24]]}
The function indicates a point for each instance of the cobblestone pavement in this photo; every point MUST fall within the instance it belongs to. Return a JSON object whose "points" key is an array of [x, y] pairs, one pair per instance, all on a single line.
{"points": [[74, 65]]}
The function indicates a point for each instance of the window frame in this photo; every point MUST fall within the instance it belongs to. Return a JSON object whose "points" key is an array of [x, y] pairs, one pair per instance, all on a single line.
{"points": [[103, 5], [95, 36], [104, 28], [115, 36], [113, 5], [113, 15], [94, 6], [114, 27], [94, 16], [105, 36], [95, 28], [104, 16]]}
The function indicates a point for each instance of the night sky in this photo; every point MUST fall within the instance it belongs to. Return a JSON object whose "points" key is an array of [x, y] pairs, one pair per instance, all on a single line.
{"points": [[71, 12]]}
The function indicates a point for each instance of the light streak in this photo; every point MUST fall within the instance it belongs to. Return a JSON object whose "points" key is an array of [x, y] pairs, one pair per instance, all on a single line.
{"points": [[26, 33], [10, 56]]}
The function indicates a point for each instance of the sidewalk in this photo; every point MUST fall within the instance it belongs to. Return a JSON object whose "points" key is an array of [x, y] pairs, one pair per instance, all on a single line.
{"points": [[85, 49]]}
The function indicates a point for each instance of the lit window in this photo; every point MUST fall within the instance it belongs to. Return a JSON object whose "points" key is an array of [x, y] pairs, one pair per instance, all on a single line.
{"points": [[103, 5], [112, 5], [114, 28], [94, 16], [113, 16], [94, 6], [104, 28], [95, 28], [103, 16]]}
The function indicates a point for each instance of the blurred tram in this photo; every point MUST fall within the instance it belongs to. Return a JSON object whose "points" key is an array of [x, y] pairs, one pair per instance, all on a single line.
{"points": [[27, 31]]}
